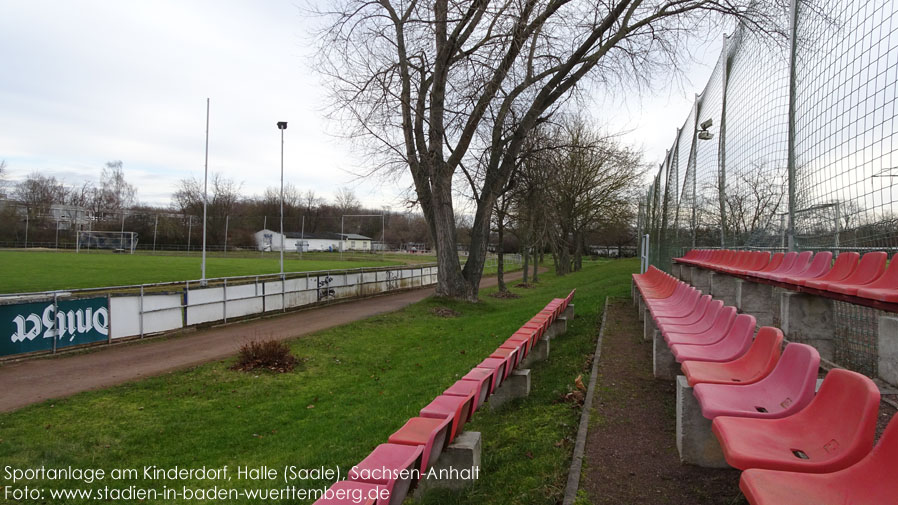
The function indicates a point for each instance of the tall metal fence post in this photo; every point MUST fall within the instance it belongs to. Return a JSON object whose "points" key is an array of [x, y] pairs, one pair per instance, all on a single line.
{"points": [[224, 304], [55, 320], [721, 147], [793, 49], [141, 311]]}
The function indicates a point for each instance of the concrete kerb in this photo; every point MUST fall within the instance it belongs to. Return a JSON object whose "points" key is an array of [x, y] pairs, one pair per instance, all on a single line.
{"points": [[573, 476]]}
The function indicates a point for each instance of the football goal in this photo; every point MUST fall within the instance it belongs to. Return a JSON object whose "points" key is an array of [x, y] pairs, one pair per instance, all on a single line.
{"points": [[118, 241]]}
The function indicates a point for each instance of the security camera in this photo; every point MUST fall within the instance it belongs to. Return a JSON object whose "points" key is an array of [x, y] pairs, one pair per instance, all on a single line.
{"points": [[707, 124], [705, 135]]}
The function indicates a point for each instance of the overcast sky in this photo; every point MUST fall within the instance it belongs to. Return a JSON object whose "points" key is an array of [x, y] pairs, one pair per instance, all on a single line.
{"points": [[89, 81]]}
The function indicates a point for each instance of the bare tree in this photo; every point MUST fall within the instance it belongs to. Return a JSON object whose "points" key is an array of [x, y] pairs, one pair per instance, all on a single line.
{"points": [[114, 194], [346, 201], [416, 81], [223, 197], [591, 178], [753, 200], [3, 182], [38, 193]]}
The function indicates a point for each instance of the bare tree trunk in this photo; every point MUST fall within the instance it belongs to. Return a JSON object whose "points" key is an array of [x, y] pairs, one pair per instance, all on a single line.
{"points": [[451, 281], [525, 250], [579, 240], [536, 264], [500, 255]]}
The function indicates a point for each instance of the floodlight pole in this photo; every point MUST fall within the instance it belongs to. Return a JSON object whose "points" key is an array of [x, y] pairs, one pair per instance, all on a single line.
{"points": [[205, 194], [302, 236], [227, 223], [282, 125], [155, 227]]}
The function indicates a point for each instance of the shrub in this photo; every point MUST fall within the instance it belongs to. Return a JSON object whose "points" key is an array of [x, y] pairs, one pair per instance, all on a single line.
{"points": [[269, 354]]}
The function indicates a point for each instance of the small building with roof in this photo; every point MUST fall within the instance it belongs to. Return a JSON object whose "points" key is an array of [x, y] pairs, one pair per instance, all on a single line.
{"points": [[268, 240]]}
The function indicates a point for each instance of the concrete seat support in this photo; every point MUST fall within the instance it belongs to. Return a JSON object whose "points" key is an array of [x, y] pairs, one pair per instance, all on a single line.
{"points": [[888, 349], [539, 353], [696, 442], [722, 287], [517, 385], [664, 364], [809, 319], [757, 299], [701, 279], [457, 468]]}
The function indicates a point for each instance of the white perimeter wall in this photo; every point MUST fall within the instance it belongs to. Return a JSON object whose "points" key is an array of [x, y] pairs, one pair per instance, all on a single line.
{"points": [[167, 311]]}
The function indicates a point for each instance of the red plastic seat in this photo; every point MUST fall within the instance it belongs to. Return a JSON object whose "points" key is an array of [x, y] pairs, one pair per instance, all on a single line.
{"points": [[697, 312], [715, 308], [802, 263], [844, 266], [821, 264], [509, 355], [870, 268], [734, 344], [531, 335], [521, 343], [790, 261], [466, 389], [885, 288], [485, 379], [347, 492], [456, 408], [432, 434], [869, 481], [383, 465], [775, 262], [687, 306], [500, 365], [717, 330], [788, 389], [673, 302], [759, 261], [833, 432], [751, 367]]}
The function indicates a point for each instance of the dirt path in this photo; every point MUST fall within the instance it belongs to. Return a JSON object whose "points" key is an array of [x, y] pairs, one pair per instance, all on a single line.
{"points": [[631, 451], [28, 382]]}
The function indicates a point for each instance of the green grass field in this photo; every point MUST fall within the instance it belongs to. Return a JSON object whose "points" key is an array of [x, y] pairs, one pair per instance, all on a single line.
{"points": [[30, 271], [357, 385], [22, 271]]}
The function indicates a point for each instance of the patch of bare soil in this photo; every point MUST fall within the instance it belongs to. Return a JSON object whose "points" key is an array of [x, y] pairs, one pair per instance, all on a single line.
{"points": [[504, 294], [524, 285], [631, 452], [444, 312]]}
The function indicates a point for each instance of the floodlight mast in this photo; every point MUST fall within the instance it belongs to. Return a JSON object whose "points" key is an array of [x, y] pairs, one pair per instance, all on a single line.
{"points": [[282, 125], [205, 195]]}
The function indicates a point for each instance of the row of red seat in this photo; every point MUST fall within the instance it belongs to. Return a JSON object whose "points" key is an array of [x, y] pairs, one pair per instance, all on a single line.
{"points": [[388, 474], [866, 277], [794, 446]]}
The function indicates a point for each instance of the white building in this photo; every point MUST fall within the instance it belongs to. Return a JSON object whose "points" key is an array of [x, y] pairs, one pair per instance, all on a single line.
{"points": [[268, 240]]}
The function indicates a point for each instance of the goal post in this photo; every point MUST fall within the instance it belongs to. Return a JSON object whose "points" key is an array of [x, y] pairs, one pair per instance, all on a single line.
{"points": [[118, 241]]}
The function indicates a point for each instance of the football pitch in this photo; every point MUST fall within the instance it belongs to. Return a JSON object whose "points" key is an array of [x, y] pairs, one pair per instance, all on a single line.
{"points": [[30, 271]]}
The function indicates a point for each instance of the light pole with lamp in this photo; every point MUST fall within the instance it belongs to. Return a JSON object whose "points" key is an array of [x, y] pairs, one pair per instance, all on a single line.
{"points": [[282, 125]]}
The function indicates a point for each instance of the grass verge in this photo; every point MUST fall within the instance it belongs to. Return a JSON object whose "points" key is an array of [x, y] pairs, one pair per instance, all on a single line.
{"points": [[359, 383]]}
